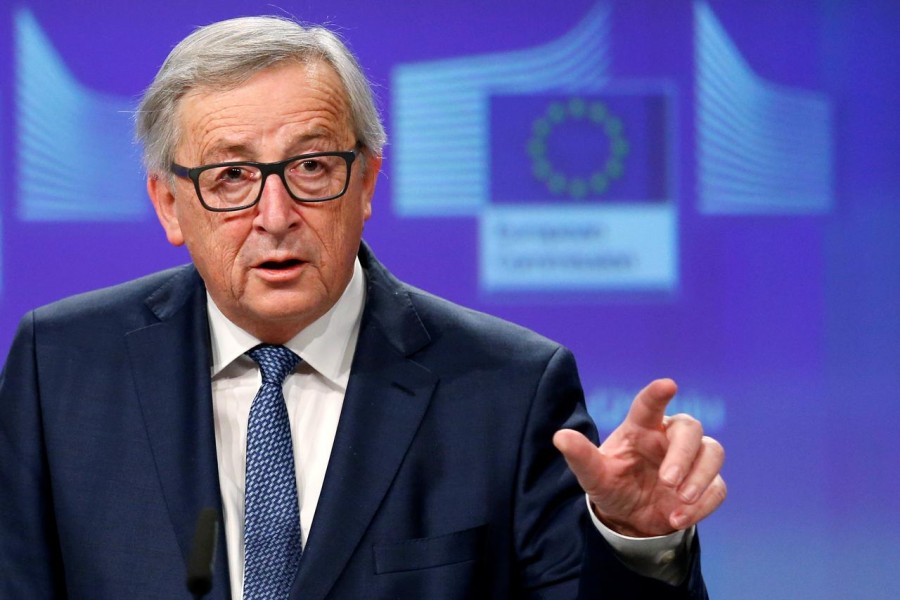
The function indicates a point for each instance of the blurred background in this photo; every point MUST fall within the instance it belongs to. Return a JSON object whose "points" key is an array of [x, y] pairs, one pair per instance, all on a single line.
{"points": [[701, 190]]}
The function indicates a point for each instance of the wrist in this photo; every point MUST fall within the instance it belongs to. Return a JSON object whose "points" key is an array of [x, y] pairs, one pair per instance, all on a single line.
{"points": [[621, 527]]}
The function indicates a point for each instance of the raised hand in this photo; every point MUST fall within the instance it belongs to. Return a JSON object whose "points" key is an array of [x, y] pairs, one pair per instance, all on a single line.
{"points": [[654, 474]]}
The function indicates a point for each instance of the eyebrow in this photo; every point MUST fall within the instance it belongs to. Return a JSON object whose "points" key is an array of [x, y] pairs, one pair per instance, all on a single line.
{"points": [[227, 150], [224, 150], [316, 135]]}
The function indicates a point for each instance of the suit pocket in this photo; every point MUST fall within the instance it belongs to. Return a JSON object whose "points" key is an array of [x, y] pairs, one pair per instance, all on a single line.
{"points": [[426, 553]]}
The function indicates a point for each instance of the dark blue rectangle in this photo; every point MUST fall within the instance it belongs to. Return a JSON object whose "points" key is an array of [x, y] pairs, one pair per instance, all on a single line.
{"points": [[579, 148]]}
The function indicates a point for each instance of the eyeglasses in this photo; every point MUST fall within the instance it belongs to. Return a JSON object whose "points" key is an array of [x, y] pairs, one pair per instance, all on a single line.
{"points": [[229, 186]]}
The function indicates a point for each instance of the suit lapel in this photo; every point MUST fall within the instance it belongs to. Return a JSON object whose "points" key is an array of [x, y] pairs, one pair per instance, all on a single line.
{"points": [[386, 399], [170, 365]]}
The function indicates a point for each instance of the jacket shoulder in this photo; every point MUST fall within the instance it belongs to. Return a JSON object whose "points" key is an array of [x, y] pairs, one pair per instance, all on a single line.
{"points": [[478, 333], [132, 302], [420, 322]]}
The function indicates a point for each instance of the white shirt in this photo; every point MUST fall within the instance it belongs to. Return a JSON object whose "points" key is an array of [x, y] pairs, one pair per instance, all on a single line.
{"points": [[314, 393]]}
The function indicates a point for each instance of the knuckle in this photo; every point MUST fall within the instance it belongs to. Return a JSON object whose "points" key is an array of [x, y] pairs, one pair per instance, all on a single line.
{"points": [[688, 422], [722, 490], [714, 448], [718, 491]]}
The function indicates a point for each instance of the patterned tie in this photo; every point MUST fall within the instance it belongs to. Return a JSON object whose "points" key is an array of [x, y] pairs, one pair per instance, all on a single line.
{"points": [[272, 544]]}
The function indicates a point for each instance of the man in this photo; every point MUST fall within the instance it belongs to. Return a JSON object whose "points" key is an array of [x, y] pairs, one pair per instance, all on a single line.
{"points": [[419, 457]]}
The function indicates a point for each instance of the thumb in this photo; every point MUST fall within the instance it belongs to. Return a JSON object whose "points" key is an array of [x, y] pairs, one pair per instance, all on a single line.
{"points": [[584, 458]]}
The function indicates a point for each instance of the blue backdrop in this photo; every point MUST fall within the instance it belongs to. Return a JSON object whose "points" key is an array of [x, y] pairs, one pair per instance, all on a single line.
{"points": [[702, 190]]}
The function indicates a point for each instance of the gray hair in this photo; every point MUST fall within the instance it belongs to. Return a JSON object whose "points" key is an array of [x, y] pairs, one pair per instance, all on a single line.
{"points": [[226, 54]]}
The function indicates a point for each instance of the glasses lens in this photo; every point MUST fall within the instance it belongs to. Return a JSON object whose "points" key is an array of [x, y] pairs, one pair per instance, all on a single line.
{"points": [[231, 186], [316, 178]]}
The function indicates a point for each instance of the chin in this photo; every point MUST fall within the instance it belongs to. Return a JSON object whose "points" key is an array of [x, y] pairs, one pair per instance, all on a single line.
{"points": [[288, 309]]}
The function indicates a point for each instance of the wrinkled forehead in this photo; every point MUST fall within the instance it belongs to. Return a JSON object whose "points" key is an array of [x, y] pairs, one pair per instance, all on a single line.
{"points": [[305, 98]]}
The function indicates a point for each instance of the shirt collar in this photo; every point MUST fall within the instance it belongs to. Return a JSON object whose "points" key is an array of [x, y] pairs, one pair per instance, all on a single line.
{"points": [[327, 344]]}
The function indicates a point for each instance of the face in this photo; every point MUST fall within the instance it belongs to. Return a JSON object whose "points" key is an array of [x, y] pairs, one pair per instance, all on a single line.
{"points": [[278, 266]]}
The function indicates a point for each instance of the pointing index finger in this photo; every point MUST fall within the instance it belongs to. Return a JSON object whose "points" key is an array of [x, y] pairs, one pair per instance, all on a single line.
{"points": [[649, 406]]}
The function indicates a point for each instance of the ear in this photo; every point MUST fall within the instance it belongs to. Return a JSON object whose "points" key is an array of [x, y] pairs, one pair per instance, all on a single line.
{"points": [[164, 203], [370, 176]]}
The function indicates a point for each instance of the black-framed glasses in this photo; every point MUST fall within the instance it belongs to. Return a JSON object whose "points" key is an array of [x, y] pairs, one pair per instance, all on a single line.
{"points": [[236, 185]]}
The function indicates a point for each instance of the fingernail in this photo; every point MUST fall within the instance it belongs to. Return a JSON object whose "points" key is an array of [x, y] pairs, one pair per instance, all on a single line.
{"points": [[690, 492], [678, 520], [672, 475]]}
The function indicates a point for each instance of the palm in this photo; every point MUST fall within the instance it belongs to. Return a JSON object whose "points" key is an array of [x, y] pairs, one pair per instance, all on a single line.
{"points": [[629, 490], [654, 474]]}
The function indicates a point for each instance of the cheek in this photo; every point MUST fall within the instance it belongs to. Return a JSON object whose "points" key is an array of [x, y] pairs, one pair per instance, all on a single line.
{"points": [[215, 249], [339, 234], [350, 230], [338, 227]]}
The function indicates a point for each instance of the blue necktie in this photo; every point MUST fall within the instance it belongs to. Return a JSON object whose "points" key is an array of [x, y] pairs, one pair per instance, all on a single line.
{"points": [[272, 544]]}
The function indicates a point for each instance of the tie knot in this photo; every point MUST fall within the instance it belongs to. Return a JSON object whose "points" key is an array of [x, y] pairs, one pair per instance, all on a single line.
{"points": [[275, 362]]}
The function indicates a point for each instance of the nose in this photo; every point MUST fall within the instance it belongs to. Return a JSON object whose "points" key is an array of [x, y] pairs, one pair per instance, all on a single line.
{"points": [[276, 212]]}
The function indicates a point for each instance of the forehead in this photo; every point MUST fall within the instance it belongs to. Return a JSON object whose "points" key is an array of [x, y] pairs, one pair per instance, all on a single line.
{"points": [[291, 107]]}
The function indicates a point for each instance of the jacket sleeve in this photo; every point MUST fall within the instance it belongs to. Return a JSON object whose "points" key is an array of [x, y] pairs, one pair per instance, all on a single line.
{"points": [[30, 564]]}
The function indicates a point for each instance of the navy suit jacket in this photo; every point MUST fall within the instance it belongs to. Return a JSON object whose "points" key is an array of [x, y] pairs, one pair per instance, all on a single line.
{"points": [[443, 481]]}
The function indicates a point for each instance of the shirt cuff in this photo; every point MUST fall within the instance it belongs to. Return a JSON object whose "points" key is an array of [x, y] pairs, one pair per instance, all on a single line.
{"points": [[663, 557]]}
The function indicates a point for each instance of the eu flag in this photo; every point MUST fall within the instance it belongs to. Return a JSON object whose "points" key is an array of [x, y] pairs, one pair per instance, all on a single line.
{"points": [[580, 148]]}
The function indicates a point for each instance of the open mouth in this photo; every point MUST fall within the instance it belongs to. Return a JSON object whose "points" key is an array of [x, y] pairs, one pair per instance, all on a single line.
{"points": [[279, 265]]}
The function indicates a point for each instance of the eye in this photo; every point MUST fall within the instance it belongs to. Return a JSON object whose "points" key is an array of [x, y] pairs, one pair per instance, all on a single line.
{"points": [[233, 174], [310, 166]]}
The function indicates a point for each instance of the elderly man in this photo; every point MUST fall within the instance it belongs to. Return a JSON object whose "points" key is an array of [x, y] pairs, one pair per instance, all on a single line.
{"points": [[361, 438]]}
